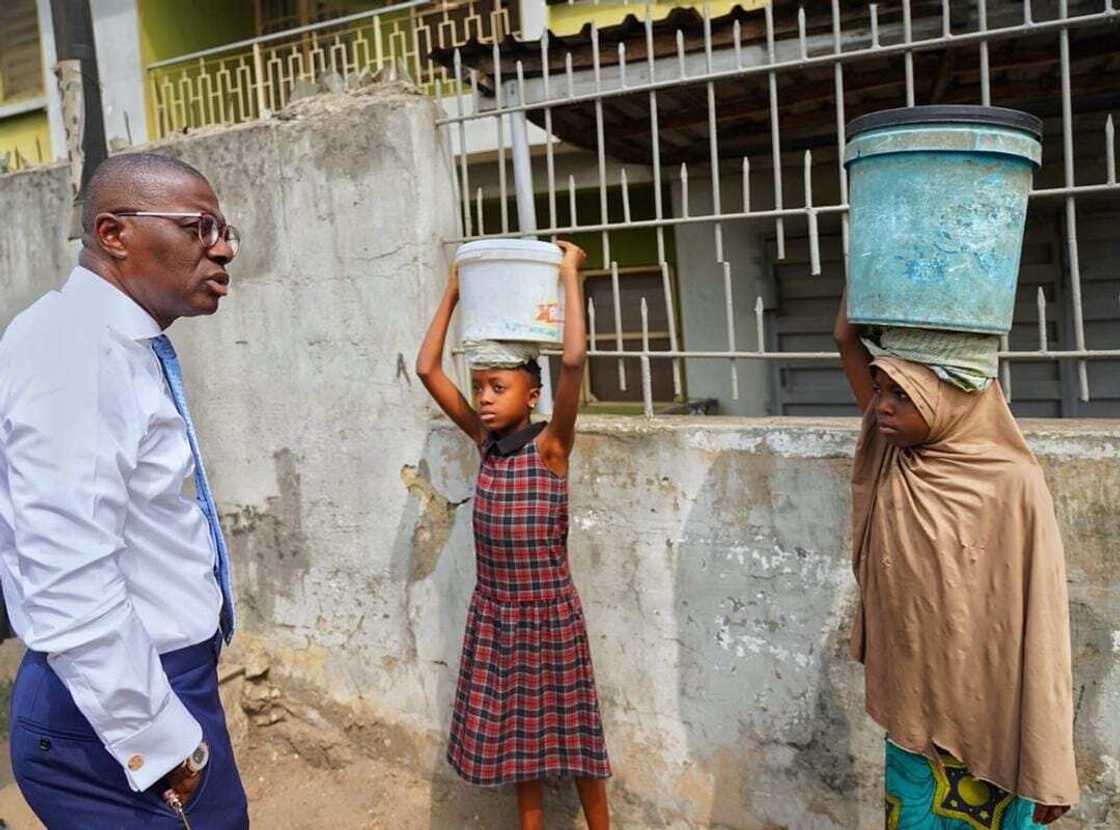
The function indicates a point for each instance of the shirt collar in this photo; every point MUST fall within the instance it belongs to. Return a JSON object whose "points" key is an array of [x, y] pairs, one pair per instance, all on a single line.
{"points": [[509, 444], [108, 302]]}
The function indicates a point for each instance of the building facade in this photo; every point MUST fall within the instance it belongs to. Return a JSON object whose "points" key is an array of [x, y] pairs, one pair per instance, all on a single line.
{"points": [[693, 151]]}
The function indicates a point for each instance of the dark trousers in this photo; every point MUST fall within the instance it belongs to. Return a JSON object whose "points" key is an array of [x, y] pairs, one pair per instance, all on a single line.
{"points": [[73, 783]]}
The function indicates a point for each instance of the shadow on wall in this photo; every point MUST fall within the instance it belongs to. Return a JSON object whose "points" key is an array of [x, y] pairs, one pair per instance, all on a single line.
{"points": [[269, 544], [766, 691]]}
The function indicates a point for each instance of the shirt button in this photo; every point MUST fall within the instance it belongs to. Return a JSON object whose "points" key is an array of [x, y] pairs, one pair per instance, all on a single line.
{"points": [[135, 762]]}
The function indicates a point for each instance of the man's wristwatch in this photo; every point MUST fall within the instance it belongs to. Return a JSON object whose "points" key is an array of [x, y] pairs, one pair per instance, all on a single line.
{"points": [[196, 762]]}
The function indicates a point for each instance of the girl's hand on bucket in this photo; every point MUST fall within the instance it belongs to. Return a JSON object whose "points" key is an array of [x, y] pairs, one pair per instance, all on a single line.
{"points": [[574, 257]]}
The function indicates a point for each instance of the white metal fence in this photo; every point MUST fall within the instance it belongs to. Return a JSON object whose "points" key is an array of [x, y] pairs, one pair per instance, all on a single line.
{"points": [[540, 82]]}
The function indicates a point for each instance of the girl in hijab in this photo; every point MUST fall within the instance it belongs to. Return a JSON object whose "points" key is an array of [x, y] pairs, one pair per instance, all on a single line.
{"points": [[963, 620]]}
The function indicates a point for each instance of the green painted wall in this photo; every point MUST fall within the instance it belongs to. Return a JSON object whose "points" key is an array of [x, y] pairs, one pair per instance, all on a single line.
{"points": [[628, 247], [20, 132], [567, 19], [169, 29], [175, 28]]}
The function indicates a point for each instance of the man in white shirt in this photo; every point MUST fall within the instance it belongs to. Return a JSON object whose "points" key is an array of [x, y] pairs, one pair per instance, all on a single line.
{"points": [[115, 578]]}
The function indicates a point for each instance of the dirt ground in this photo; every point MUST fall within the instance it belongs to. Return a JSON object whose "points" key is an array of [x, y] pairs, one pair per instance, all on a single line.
{"points": [[288, 793], [367, 794], [308, 769]]}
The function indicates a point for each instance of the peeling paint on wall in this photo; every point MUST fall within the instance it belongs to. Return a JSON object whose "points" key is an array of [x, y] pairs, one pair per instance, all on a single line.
{"points": [[433, 527]]}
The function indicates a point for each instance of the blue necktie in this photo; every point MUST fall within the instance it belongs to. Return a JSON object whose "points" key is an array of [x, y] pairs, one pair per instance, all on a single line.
{"points": [[169, 361]]}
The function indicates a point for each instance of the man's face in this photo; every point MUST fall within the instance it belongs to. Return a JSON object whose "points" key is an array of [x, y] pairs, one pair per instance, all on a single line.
{"points": [[167, 269]]}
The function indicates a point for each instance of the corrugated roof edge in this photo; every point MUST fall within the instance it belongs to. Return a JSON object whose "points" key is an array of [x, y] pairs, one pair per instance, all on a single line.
{"points": [[479, 56]]}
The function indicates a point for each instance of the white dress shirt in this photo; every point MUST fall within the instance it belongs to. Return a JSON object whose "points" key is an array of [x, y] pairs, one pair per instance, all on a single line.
{"points": [[105, 561]]}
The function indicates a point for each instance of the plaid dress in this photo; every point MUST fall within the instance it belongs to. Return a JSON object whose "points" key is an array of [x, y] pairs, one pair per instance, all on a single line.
{"points": [[525, 706]]}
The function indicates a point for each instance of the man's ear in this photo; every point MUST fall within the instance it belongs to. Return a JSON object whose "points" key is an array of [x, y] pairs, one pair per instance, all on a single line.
{"points": [[534, 396], [109, 232]]}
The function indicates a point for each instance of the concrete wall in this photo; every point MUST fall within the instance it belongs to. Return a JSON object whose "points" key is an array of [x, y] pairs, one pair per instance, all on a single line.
{"points": [[34, 219], [714, 560], [712, 555]]}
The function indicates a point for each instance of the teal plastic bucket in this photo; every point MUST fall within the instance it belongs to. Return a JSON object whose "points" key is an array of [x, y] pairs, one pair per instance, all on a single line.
{"points": [[938, 202]]}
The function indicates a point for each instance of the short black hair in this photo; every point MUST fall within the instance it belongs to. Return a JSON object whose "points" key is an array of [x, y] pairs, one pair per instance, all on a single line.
{"points": [[129, 177], [534, 370], [530, 367]]}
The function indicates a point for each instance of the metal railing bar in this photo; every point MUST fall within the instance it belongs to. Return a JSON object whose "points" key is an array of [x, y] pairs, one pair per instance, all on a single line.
{"points": [[1098, 354], [1071, 207], [775, 137], [756, 215]]}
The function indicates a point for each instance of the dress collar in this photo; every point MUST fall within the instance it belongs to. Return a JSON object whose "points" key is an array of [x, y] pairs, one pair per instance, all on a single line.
{"points": [[103, 299], [509, 444]]}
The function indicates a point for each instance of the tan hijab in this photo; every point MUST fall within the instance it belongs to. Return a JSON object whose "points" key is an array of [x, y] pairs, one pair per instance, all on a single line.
{"points": [[963, 623]]}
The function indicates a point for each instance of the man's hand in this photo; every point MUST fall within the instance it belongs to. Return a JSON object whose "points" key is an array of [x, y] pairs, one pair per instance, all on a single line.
{"points": [[181, 784], [1047, 813], [574, 257]]}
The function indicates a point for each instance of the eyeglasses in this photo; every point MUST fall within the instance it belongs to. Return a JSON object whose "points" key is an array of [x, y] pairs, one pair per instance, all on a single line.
{"points": [[210, 228]]}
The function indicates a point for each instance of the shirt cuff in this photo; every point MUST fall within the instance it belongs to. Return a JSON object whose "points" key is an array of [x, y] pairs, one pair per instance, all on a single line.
{"points": [[155, 750]]}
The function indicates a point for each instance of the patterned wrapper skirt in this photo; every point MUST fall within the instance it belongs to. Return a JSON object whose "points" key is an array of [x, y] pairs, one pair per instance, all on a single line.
{"points": [[921, 795]]}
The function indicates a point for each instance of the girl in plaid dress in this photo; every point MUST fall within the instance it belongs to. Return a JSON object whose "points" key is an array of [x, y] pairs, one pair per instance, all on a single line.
{"points": [[525, 706]]}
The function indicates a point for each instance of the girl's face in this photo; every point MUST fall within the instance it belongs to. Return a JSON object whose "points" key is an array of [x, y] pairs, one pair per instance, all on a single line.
{"points": [[896, 417], [504, 398]]}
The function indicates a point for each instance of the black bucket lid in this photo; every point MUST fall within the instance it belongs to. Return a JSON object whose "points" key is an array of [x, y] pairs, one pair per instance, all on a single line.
{"points": [[950, 113]]}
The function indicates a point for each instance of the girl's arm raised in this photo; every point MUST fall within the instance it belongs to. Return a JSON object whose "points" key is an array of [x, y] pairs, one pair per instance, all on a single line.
{"points": [[854, 356], [555, 443], [429, 366]]}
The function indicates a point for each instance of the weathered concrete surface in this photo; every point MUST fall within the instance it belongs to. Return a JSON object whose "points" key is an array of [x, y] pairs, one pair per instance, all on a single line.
{"points": [[712, 555], [34, 219], [713, 559]]}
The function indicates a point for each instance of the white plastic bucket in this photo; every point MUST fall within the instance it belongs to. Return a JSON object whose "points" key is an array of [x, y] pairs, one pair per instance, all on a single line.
{"points": [[509, 289]]}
